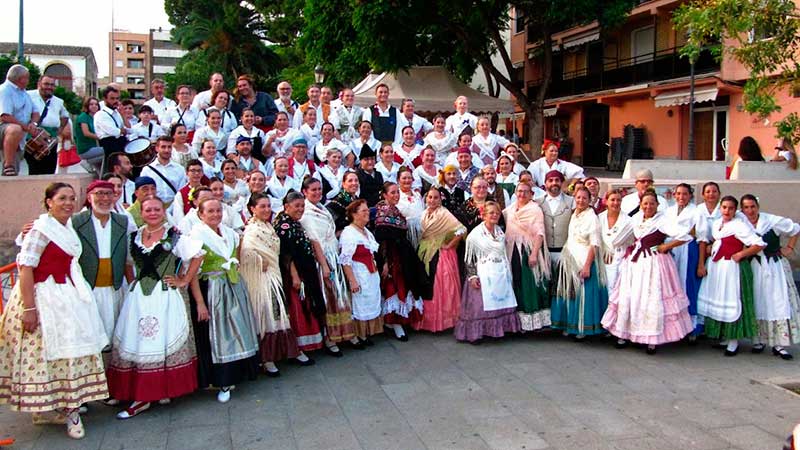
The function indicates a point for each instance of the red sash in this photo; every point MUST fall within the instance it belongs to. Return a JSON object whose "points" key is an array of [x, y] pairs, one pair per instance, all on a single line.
{"points": [[729, 245], [364, 256]]}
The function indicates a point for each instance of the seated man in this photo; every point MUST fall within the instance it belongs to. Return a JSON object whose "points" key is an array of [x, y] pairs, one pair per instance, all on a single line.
{"points": [[630, 203], [18, 116]]}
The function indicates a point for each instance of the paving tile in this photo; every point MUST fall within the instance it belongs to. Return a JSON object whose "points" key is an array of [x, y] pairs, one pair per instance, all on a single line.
{"points": [[749, 437], [206, 437]]}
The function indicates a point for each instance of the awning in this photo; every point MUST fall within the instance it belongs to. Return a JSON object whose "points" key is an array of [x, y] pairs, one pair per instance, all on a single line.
{"points": [[578, 39], [550, 112], [682, 97]]}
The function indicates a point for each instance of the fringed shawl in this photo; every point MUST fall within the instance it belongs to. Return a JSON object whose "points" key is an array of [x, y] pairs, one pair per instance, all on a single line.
{"points": [[260, 244], [523, 224], [438, 227]]}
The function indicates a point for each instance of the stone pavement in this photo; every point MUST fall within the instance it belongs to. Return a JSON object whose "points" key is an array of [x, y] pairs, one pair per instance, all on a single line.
{"points": [[525, 392]]}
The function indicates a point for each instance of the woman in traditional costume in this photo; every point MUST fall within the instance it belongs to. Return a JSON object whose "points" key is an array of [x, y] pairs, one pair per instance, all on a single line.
{"points": [[725, 299], [530, 262], [357, 246], [153, 357], [321, 230], [227, 344], [402, 273], [347, 195], [386, 164], [648, 304], [331, 174], [426, 175], [410, 205], [301, 281], [488, 303], [776, 299], [441, 233], [261, 272], [581, 296], [440, 140], [51, 334], [473, 208], [613, 224]]}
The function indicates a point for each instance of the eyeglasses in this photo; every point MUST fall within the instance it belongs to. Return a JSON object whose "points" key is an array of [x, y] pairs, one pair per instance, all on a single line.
{"points": [[103, 193]]}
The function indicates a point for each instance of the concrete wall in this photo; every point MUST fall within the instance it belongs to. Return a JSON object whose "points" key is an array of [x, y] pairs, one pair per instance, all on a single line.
{"points": [[23, 203], [757, 170], [676, 169], [663, 132]]}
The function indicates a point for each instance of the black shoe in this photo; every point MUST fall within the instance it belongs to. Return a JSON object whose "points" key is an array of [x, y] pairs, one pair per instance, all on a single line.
{"points": [[732, 353], [651, 350], [275, 374], [310, 362], [579, 338], [692, 340], [621, 343], [336, 354], [368, 342], [719, 346], [403, 338], [759, 348], [357, 346], [786, 356]]}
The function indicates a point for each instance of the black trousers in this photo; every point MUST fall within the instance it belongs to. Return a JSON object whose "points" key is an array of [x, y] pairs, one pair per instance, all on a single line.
{"points": [[44, 166]]}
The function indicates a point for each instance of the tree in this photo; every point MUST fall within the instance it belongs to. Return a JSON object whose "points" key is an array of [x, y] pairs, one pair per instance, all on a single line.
{"points": [[72, 101], [6, 61], [763, 35], [458, 34]]}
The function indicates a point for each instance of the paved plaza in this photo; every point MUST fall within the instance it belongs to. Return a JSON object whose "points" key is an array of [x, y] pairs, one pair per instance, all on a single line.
{"points": [[527, 392]]}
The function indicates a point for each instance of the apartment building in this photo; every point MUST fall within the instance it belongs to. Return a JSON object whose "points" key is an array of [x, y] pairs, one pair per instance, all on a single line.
{"points": [[128, 65], [163, 55], [635, 75]]}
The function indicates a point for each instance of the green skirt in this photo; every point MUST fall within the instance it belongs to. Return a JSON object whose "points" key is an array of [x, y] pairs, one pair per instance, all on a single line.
{"points": [[533, 299], [746, 325]]}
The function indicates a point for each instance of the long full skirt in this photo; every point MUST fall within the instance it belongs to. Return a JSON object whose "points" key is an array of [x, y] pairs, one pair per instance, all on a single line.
{"points": [[31, 383], [230, 332], [533, 299], [580, 313], [338, 318], [277, 340], [441, 311], [778, 315], [367, 301], [401, 305], [153, 356], [474, 323], [648, 304], [745, 326], [305, 325], [686, 258]]}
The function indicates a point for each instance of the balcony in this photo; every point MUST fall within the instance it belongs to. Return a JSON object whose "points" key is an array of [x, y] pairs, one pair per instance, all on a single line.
{"points": [[617, 73]]}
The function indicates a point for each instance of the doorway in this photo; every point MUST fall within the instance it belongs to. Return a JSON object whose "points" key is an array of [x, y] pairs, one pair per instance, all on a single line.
{"points": [[595, 135], [710, 131]]}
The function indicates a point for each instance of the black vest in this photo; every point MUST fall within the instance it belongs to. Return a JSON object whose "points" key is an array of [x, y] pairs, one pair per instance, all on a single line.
{"points": [[384, 128]]}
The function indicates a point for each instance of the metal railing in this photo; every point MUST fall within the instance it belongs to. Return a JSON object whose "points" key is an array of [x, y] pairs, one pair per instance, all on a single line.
{"points": [[8, 277]]}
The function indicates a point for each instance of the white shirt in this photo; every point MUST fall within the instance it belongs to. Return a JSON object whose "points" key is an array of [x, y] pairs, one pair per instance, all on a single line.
{"points": [[172, 171], [210, 170], [334, 179], [300, 170], [160, 107], [277, 191], [55, 110], [128, 189], [151, 131], [282, 108], [103, 234], [173, 115], [321, 150], [311, 135], [297, 119], [228, 122], [107, 123], [539, 169], [420, 174], [344, 121], [455, 123], [356, 144], [202, 100], [220, 138], [367, 114], [407, 156], [554, 202], [282, 143], [443, 146], [417, 122], [241, 131], [452, 160], [631, 202], [489, 147], [388, 174]]}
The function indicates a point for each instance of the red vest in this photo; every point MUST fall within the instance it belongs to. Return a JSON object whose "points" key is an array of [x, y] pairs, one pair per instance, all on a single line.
{"points": [[53, 261]]}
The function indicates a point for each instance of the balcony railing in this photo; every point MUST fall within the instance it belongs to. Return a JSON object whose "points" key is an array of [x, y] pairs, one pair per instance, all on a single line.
{"points": [[657, 66]]}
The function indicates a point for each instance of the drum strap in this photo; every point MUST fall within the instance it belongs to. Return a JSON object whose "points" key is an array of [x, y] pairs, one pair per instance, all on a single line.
{"points": [[112, 118], [161, 175], [150, 129], [44, 112]]}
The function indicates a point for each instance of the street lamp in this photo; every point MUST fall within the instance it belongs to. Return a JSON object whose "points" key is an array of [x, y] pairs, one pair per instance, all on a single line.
{"points": [[319, 74]]}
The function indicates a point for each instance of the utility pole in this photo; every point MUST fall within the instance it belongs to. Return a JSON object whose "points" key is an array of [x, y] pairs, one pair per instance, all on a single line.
{"points": [[20, 46]]}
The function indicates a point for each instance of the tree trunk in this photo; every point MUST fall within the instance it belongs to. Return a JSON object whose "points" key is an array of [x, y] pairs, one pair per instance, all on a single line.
{"points": [[534, 111]]}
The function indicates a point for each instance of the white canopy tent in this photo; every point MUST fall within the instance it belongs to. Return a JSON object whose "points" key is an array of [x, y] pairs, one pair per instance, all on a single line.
{"points": [[433, 89]]}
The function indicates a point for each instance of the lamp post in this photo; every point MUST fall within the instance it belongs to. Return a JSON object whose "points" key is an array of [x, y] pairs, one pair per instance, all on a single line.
{"points": [[319, 74], [20, 46]]}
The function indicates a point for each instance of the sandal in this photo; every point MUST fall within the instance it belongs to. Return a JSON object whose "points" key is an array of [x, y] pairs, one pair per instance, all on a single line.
{"points": [[75, 425], [136, 408], [9, 171]]}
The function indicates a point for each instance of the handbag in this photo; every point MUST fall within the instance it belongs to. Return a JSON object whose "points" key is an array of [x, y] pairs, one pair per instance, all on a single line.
{"points": [[68, 156]]}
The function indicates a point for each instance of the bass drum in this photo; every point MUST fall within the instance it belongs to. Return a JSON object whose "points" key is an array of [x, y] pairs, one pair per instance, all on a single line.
{"points": [[140, 151]]}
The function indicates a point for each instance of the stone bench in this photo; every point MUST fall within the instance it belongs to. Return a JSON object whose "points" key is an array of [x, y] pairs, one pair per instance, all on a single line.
{"points": [[676, 169], [757, 170]]}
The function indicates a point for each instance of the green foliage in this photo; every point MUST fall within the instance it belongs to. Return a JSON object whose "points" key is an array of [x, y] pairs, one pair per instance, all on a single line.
{"points": [[6, 61], [72, 101], [763, 35]]}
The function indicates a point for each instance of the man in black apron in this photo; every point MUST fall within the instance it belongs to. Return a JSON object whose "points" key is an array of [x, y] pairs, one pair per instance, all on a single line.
{"points": [[382, 115]]}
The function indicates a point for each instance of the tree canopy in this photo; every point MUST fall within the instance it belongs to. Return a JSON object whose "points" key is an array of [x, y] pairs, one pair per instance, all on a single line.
{"points": [[6, 61], [763, 35]]}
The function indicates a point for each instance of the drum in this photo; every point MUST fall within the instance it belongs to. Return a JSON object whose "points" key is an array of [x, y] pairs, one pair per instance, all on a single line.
{"points": [[140, 151], [41, 144]]}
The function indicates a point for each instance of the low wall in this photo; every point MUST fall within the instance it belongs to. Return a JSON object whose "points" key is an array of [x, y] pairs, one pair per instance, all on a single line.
{"points": [[670, 169], [22, 202], [757, 170]]}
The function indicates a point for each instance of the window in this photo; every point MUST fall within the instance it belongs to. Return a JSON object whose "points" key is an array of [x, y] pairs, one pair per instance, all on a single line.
{"points": [[643, 44], [135, 80], [118, 47], [135, 48], [519, 21], [135, 64], [119, 80], [137, 93], [118, 63]]}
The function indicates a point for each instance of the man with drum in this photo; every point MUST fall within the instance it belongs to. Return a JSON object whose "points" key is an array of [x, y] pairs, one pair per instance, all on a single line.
{"points": [[18, 115], [108, 124], [54, 119]]}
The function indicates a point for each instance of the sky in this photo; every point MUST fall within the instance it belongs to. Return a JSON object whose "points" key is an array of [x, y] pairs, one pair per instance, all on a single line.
{"points": [[85, 23]]}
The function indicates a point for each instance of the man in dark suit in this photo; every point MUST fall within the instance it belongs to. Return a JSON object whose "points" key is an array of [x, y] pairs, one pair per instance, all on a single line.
{"points": [[370, 180]]}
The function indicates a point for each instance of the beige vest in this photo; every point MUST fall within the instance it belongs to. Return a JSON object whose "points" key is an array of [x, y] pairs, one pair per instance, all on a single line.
{"points": [[556, 226]]}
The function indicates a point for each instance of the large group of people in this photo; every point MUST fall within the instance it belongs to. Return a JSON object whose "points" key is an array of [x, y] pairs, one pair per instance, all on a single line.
{"points": [[265, 230]]}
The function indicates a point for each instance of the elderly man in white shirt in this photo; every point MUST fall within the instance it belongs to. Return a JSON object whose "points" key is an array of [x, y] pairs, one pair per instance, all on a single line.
{"points": [[644, 181], [108, 124], [458, 122], [18, 116], [420, 124], [284, 101], [202, 100], [54, 119], [550, 161], [169, 176], [159, 103]]}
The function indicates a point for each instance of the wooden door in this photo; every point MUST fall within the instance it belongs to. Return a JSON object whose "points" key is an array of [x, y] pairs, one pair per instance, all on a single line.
{"points": [[704, 135]]}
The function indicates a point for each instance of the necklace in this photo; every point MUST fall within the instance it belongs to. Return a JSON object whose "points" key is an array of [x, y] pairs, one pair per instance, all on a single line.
{"points": [[149, 233]]}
